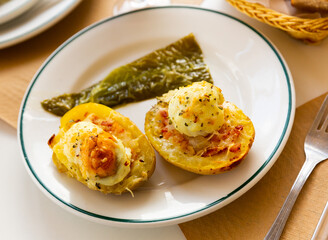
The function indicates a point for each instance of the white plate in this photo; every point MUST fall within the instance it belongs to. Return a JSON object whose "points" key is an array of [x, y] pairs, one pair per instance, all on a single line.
{"points": [[13, 8], [40, 17], [243, 63]]}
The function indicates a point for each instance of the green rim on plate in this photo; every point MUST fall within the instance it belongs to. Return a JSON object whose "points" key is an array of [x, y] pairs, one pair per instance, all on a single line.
{"points": [[98, 216]]}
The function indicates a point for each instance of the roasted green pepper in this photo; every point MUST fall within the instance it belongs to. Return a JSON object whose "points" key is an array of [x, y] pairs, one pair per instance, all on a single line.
{"points": [[178, 64]]}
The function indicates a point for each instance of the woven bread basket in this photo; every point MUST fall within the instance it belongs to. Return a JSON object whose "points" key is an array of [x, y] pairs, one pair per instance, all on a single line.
{"points": [[308, 30]]}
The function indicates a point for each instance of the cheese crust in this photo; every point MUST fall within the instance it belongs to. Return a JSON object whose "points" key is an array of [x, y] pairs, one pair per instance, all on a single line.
{"points": [[142, 159], [214, 153]]}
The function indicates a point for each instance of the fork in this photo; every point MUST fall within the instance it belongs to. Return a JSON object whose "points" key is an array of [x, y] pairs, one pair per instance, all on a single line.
{"points": [[316, 151]]}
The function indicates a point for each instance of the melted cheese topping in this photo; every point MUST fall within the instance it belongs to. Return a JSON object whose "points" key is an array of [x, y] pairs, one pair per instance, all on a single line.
{"points": [[225, 138], [196, 110], [98, 155]]}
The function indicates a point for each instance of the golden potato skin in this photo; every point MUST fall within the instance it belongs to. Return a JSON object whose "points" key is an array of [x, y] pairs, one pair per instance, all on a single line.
{"points": [[144, 160], [205, 165]]}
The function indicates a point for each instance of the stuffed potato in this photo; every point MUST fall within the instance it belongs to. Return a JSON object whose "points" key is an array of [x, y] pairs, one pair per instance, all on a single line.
{"points": [[102, 149], [195, 129]]}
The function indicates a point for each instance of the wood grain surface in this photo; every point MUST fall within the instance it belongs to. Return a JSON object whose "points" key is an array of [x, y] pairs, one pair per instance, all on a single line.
{"points": [[251, 215]]}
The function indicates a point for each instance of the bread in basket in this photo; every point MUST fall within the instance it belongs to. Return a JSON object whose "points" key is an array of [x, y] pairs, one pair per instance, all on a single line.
{"points": [[307, 29]]}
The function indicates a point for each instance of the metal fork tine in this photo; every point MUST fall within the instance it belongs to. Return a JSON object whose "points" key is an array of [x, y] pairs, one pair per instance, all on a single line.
{"points": [[324, 126], [320, 118]]}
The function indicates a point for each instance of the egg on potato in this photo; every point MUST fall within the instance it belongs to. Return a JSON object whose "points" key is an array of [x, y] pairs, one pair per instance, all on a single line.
{"points": [[196, 129], [102, 149]]}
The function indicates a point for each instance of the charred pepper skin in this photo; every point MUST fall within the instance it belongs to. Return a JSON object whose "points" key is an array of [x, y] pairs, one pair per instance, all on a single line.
{"points": [[178, 64]]}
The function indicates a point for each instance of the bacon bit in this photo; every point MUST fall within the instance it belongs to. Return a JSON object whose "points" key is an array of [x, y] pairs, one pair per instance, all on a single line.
{"points": [[167, 135], [178, 138], [51, 139], [235, 148], [107, 123], [164, 113], [121, 130], [215, 138], [226, 132], [165, 117], [126, 163], [213, 151], [94, 117], [97, 154]]}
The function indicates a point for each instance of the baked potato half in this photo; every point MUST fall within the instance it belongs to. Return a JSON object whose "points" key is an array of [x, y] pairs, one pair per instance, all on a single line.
{"points": [[195, 129], [102, 149]]}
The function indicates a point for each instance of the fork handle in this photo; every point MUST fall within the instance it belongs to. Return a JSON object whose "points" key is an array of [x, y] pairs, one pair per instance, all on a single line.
{"points": [[279, 224]]}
